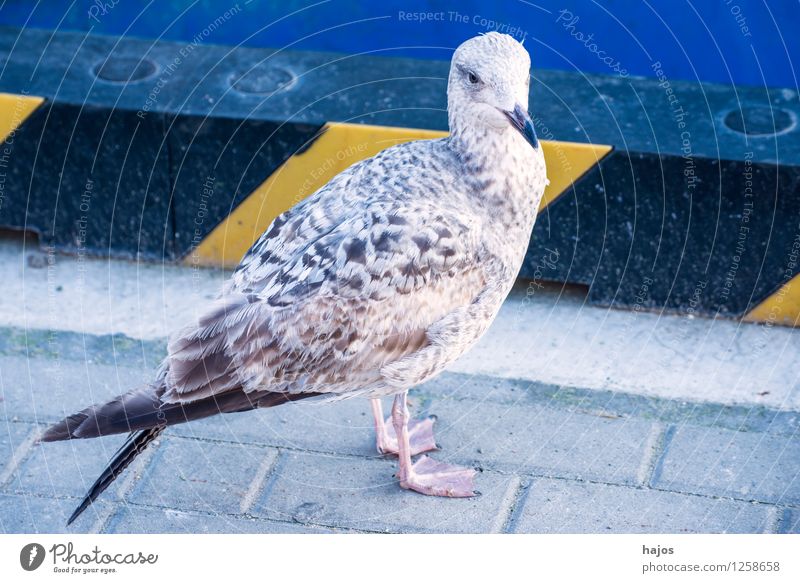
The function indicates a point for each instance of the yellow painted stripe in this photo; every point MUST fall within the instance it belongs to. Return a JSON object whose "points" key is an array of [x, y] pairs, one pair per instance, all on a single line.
{"points": [[340, 146], [566, 163], [782, 307], [14, 109]]}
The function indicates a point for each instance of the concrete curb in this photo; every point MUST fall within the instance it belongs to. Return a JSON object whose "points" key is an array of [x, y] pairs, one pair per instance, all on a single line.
{"points": [[173, 152]]}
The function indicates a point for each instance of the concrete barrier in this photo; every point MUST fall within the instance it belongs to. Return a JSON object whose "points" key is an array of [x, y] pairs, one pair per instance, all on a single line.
{"points": [[664, 195]]}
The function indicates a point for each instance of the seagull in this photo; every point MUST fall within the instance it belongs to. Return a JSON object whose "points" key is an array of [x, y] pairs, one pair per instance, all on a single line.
{"points": [[372, 285]]}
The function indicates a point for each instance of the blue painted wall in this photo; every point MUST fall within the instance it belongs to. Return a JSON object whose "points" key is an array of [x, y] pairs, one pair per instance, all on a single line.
{"points": [[754, 42]]}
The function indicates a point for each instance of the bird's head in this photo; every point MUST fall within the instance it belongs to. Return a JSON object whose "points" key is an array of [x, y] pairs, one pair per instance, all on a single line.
{"points": [[488, 85]]}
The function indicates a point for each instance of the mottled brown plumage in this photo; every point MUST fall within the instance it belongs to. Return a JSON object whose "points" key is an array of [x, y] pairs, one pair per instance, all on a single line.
{"points": [[373, 284]]}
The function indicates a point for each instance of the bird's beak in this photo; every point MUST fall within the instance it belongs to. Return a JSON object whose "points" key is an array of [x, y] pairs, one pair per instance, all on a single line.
{"points": [[521, 120]]}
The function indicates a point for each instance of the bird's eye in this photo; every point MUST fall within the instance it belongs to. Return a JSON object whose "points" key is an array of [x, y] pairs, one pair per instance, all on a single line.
{"points": [[473, 78]]}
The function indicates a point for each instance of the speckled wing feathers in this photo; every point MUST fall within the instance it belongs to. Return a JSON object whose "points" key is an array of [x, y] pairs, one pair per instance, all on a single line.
{"points": [[350, 292]]}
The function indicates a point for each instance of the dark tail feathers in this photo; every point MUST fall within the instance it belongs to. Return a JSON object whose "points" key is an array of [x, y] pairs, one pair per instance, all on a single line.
{"points": [[145, 415], [136, 443]]}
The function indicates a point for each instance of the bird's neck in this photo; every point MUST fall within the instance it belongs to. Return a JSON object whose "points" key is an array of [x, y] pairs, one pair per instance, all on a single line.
{"points": [[506, 173]]}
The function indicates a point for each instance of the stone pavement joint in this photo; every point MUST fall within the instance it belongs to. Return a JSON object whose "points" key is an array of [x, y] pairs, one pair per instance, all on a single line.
{"points": [[10, 459], [789, 522], [553, 458], [515, 514], [744, 466], [507, 506], [559, 506], [654, 446], [257, 485], [658, 465]]}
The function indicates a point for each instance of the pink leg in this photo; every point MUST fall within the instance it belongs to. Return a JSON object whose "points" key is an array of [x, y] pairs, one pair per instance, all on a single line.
{"points": [[420, 432], [427, 476]]}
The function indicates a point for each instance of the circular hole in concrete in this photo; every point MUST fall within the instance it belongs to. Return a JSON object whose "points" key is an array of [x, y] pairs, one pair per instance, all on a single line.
{"points": [[760, 121], [124, 69], [264, 79]]}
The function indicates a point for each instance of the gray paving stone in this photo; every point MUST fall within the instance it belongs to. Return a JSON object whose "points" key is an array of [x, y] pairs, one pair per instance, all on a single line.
{"points": [[604, 402], [65, 468], [363, 494], [46, 389], [542, 440], [339, 427], [212, 477], [343, 427], [12, 435], [116, 349], [790, 522], [750, 466], [131, 519], [450, 385], [513, 427], [32, 514], [566, 506]]}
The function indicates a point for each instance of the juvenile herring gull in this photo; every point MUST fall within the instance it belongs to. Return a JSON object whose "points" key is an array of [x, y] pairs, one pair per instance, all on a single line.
{"points": [[372, 285]]}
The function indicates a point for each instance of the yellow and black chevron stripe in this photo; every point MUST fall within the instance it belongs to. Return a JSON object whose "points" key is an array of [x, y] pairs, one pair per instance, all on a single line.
{"points": [[781, 308], [14, 110], [339, 146], [103, 166]]}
